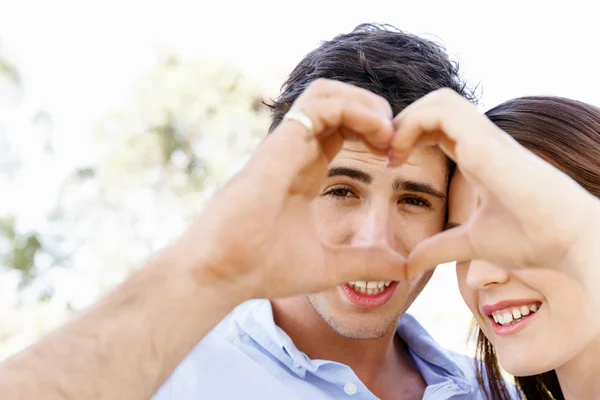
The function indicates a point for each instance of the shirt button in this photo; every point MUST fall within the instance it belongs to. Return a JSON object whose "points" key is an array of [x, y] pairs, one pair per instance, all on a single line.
{"points": [[296, 364], [350, 388]]}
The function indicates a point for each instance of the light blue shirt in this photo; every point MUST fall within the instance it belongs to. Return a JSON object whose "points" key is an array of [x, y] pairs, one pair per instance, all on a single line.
{"points": [[247, 356]]}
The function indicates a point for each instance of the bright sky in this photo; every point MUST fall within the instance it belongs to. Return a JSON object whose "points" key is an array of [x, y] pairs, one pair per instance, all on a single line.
{"points": [[80, 58]]}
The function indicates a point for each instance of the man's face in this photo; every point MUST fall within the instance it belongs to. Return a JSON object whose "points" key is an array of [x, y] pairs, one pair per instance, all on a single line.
{"points": [[364, 203]]}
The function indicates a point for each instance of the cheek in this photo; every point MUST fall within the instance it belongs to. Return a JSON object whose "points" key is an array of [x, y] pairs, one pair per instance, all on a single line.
{"points": [[565, 327], [570, 309], [411, 229], [333, 222]]}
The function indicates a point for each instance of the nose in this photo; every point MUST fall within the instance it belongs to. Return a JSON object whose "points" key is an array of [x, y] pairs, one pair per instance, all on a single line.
{"points": [[372, 228], [482, 275]]}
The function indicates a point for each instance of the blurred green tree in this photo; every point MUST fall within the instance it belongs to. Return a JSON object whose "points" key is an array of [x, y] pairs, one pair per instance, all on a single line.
{"points": [[188, 126], [20, 247], [9, 71]]}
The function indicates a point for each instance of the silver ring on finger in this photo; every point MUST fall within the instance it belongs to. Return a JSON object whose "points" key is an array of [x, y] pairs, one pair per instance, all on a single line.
{"points": [[299, 116]]}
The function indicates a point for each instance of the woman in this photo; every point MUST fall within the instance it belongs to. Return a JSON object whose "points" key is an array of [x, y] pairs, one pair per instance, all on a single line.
{"points": [[540, 325]]}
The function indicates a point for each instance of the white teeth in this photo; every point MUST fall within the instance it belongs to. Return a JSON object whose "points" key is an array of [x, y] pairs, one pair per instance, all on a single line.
{"points": [[513, 314], [369, 287]]}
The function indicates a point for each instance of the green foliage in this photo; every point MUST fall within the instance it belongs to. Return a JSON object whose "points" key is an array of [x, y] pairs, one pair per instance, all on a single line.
{"points": [[186, 128], [10, 71], [22, 250]]}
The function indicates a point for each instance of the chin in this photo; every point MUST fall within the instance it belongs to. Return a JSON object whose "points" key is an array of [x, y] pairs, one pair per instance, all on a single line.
{"points": [[358, 325], [363, 331], [527, 364], [362, 325], [525, 370]]}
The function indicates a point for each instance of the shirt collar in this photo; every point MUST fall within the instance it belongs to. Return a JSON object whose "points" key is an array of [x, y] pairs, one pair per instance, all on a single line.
{"points": [[255, 318], [425, 348]]}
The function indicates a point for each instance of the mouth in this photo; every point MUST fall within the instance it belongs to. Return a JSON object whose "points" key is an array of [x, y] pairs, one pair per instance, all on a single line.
{"points": [[508, 317], [369, 294]]}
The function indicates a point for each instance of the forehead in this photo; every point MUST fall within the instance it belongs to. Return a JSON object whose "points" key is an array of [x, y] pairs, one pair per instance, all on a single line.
{"points": [[427, 163]]}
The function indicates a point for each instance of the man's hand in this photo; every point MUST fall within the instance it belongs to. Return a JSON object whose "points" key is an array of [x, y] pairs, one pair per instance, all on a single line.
{"points": [[528, 214], [257, 238]]}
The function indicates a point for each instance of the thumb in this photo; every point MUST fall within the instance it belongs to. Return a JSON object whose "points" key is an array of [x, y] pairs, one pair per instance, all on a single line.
{"points": [[448, 246], [351, 263]]}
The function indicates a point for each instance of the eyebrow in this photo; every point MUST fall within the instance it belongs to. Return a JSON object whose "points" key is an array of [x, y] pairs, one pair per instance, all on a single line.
{"points": [[398, 185], [419, 187], [352, 173]]}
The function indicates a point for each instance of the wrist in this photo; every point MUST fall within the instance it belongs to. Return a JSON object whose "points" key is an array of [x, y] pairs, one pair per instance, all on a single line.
{"points": [[205, 275]]}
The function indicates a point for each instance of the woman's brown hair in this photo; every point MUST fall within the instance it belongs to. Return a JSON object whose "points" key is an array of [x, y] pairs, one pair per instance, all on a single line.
{"points": [[566, 133]]}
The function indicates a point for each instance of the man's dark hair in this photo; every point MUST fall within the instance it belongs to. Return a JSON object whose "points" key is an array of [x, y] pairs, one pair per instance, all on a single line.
{"points": [[398, 66]]}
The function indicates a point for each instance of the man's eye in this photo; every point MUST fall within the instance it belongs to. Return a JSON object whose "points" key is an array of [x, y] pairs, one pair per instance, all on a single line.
{"points": [[416, 202], [340, 193]]}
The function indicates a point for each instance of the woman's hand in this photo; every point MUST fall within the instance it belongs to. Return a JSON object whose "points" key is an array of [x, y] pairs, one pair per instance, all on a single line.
{"points": [[528, 213]]}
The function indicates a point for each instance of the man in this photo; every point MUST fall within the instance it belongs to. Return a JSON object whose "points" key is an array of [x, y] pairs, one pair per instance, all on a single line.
{"points": [[314, 211], [346, 340]]}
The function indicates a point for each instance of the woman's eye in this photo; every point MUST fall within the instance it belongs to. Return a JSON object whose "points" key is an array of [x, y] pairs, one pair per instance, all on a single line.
{"points": [[340, 192], [416, 202]]}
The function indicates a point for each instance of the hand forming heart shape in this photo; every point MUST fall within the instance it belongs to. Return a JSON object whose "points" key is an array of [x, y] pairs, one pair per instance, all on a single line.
{"points": [[256, 237]]}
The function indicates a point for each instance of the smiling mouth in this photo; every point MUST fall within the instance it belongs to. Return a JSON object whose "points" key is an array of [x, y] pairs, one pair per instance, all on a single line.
{"points": [[514, 314], [369, 287], [369, 294]]}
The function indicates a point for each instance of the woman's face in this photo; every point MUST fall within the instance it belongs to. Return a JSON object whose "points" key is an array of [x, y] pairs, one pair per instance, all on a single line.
{"points": [[536, 319]]}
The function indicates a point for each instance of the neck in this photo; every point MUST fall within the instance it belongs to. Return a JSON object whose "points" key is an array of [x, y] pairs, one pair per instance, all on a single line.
{"points": [[369, 359], [578, 377]]}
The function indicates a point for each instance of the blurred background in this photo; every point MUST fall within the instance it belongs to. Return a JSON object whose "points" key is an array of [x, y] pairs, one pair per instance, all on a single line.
{"points": [[119, 118]]}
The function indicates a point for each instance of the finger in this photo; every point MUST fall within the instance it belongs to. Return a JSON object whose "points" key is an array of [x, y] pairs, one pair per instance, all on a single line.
{"points": [[485, 154], [291, 148], [448, 246], [452, 119], [332, 108], [351, 118], [329, 88], [479, 148], [536, 192], [329, 116], [350, 263]]}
